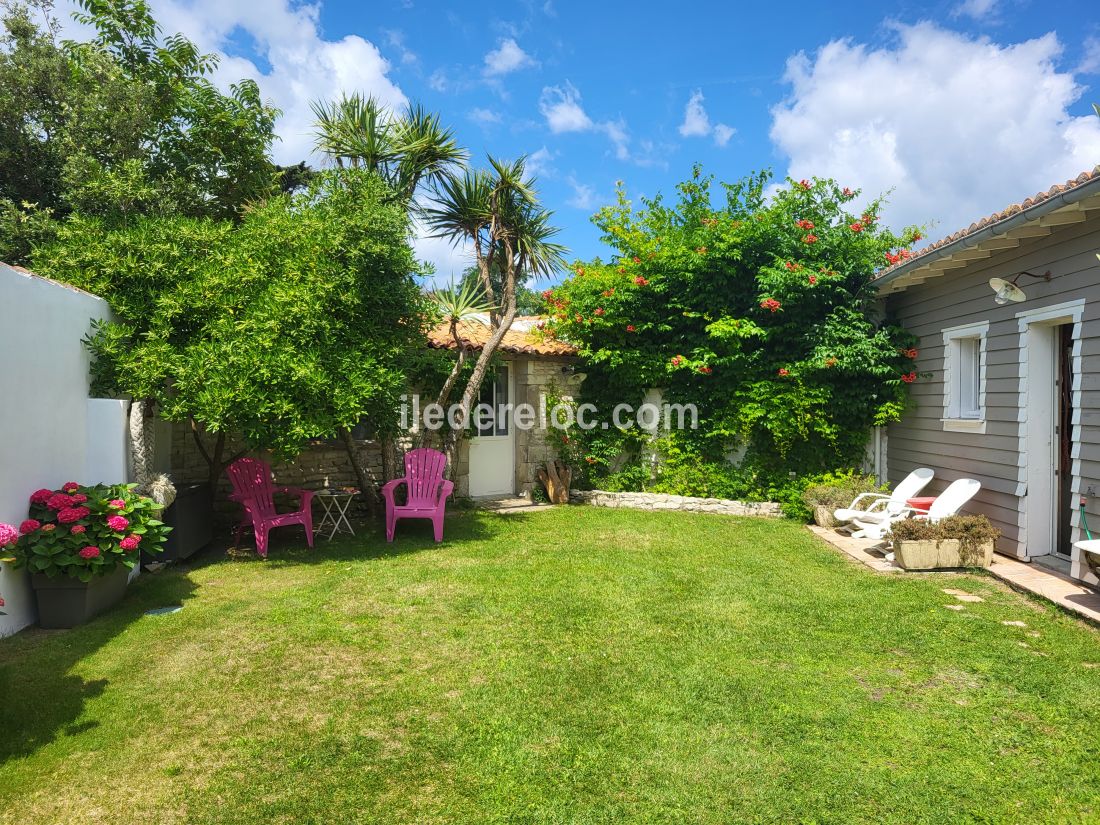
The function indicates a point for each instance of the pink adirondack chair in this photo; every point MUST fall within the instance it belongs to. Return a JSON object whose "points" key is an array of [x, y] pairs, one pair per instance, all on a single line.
{"points": [[255, 492], [427, 491]]}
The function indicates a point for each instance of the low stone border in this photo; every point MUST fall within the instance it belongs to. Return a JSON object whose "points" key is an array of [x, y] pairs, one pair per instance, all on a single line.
{"points": [[659, 501]]}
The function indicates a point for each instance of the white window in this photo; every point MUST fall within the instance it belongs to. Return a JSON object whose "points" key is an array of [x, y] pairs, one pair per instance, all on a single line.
{"points": [[964, 377]]}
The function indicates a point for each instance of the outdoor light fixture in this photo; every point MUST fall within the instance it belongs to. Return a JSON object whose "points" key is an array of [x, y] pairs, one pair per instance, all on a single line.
{"points": [[1008, 291]]}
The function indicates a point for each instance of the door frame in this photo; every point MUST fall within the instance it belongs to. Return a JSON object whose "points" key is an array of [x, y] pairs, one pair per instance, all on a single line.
{"points": [[476, 440], [1037, 482]]}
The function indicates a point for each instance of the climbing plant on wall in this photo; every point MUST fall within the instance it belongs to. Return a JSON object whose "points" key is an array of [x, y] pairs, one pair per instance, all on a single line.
{"points": [[758, 310]]}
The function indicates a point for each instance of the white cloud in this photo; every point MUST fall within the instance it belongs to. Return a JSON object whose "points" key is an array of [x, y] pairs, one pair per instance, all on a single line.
{"points": [[506, 58], [396, 40], [975, 9], [584, 196], [561, 106], [958, 127], [697, 122], [540, 163], [301, 64], [1090, 61], [723, 133], [484, 117]]}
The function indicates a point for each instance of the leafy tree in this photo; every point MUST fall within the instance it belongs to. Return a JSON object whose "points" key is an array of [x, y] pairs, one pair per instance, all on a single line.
{"points": [[759, 312], [293, 325], [497, 211], [125, 124]]}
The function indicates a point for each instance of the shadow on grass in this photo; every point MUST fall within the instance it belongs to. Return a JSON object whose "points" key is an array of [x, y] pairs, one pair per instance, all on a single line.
{"points": [[41, 699], [287, 546]]}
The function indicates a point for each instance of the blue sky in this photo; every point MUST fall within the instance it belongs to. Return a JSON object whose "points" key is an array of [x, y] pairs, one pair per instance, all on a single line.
{"points": [[960, 107]]}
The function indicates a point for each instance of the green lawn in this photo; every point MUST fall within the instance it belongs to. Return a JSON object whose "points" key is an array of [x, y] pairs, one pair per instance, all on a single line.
{"points": [[575, 665]]}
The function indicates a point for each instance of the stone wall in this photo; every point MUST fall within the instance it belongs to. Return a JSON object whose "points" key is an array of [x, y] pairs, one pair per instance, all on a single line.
{"points": [[537, 377], [319, 463], [659, 501]]}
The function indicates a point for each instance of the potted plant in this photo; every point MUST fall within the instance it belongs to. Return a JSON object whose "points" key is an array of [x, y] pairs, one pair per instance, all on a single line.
{"points": [[835, 490], [80, 544], [956, 541], [8, 537]]}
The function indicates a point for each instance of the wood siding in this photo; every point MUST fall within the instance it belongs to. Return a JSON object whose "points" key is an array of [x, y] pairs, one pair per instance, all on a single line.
{"points": [[963, 296]]}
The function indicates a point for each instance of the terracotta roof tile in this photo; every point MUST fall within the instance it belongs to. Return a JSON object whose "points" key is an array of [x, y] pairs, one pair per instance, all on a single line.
{"points": [[996, 217], [520, 339]]}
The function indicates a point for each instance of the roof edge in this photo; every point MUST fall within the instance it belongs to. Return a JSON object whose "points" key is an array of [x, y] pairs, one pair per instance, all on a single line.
{"points": [[993, 230]]}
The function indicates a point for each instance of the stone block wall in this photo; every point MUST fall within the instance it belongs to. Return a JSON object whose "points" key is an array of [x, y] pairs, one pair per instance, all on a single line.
{"points": [[659, 501], [537, 377], [318, 463]]}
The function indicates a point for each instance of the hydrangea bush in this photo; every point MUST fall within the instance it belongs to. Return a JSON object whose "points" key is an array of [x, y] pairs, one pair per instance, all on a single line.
{"points": [[87, 531], [759, 311]]}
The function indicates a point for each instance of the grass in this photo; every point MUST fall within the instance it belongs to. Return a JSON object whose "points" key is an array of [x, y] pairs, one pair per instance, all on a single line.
{"points": [[576, 665]]}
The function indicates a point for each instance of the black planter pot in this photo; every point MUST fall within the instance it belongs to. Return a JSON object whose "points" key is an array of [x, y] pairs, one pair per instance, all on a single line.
{"points": [[191, 518], [64, 602]]}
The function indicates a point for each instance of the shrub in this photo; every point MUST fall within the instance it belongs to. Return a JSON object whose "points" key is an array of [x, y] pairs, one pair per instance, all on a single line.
{"points": [[971, 531], [759, 311], [840, 488], [83, 532]]}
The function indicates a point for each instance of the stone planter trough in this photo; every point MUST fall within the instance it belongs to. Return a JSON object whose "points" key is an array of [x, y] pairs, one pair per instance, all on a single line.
{"points": [[936, 555]]}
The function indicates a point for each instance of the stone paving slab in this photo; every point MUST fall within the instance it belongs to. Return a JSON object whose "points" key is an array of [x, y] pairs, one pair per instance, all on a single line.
{"points": [[1065, 592]]}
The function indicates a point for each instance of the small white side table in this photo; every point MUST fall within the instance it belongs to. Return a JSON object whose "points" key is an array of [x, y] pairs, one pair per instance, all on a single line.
{"points": [[334, 515]]}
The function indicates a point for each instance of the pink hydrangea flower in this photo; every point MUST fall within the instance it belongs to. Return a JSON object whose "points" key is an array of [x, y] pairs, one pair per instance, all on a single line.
{"points": [[117, 523], [69, 486], [130, 543], [70, 514], [8, 534], [78, 498], [29, 526], [77, 529], [89, 552], [58, 501], [41, 496], [117, 504], [49, 527]]}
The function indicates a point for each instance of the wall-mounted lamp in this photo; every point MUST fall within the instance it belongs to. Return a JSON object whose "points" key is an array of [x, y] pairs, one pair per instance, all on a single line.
{"points": [[1008, 291]]}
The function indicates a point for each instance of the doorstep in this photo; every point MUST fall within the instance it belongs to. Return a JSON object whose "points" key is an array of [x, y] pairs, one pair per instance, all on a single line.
{"points": [[510, 504], [1065, 592]]}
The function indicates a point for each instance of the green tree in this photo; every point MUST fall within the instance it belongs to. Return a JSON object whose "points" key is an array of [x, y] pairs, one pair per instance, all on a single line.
{"points": [[126, 123], [759, 312], [295, 324]]}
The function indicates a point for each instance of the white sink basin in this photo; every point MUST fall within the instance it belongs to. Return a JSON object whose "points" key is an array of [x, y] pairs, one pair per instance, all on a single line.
{"points": [[1089, 546]]}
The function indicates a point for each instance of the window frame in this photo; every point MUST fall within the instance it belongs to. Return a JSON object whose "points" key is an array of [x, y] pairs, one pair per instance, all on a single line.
{"points": [[959, 364]]}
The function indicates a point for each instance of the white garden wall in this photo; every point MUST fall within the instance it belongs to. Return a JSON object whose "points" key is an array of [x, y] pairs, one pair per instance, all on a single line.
{"points": [[50, 431]]}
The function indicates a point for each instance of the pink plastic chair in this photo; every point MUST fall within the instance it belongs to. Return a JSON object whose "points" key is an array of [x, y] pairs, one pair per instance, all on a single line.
{"points": [[255, 492], [427, 491]]}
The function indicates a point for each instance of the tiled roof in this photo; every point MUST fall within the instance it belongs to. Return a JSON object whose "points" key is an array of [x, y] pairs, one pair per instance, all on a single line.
{"points": [[521, 338], [996, 217]]}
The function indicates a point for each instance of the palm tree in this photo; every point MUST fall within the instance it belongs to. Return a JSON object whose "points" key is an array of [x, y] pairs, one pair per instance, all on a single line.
{"points": [[497, 211], [406, 148]]}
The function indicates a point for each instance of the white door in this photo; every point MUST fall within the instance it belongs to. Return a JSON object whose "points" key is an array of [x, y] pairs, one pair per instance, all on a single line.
{"points": [[492, 447]]}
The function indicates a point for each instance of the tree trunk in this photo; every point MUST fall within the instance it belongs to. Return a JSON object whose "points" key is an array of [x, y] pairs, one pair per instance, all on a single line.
{"points": [[473, 386], [216, 462], [556, 478], [448, 385], [368, 486]]}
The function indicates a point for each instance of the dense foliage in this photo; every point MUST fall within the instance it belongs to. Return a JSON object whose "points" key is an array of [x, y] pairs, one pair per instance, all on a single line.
{"points": [[757, 311], [124, 124], [83, 532], [299, 321]]}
